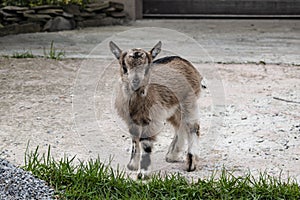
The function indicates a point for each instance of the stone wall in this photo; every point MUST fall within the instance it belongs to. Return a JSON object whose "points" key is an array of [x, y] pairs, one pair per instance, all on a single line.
{"points": [[57, 18]]}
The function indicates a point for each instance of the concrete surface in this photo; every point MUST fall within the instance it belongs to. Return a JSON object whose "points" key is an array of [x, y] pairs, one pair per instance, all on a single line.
{"points": [[226, 41]]}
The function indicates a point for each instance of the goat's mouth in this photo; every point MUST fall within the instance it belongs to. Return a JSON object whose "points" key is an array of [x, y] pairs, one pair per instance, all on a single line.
{"points": [[135, 87]]}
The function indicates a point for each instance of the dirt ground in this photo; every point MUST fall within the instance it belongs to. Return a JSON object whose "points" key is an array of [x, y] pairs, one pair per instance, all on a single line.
{"points": [[250, 116]]}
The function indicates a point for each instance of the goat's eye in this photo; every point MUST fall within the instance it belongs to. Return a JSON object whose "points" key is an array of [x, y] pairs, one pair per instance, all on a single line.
{"points": [[125, 69]]}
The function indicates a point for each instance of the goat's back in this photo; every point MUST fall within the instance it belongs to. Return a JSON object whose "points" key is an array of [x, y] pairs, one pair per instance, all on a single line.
{"points": [[179, 75]]}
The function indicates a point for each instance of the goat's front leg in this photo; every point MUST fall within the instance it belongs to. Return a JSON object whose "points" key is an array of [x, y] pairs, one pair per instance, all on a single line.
{"points": [[147, 145], [134, 162]]}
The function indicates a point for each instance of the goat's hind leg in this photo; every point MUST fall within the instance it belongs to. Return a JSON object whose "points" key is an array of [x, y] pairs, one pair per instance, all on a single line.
{"points": [[176, 147], [177, 143], [193, 145]]}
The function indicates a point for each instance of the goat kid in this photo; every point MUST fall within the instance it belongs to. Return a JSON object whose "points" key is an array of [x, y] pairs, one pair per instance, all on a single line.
{"points": [[151, 92]]}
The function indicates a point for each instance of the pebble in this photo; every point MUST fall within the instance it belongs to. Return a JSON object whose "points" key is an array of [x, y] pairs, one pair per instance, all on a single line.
{"points": [[15, 183], [243, 117]]}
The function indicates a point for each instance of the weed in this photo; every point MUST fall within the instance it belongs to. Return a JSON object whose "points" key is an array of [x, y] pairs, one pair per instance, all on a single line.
{"points": [[53, 53], [25, 54]]}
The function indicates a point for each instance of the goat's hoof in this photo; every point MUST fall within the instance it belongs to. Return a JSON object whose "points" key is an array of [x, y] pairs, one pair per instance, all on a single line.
{"points": [[191, 162], [143, 176], [191, 168], [132, 167]]}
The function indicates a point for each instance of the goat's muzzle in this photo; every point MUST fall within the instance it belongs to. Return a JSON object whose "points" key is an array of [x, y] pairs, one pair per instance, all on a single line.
{"points": [[135, 84]]}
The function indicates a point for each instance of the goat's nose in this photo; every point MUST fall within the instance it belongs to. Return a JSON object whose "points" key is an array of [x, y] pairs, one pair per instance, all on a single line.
{"points": [[135, 81]]}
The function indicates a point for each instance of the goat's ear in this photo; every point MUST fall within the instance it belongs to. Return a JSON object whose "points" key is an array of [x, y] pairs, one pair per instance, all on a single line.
{"points": [[115, 49], [156, 50]]}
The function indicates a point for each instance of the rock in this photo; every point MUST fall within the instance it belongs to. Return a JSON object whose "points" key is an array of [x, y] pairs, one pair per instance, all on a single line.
{"points": [[25, 11], [109, 10], [59, 24], [37, 17], [87, 14], [99, 16], [117, 6], [72, 8], [20, 28], [67, 15], [79, 19], [28, 12], [107, 21], [43, 7], [13, 19], [15, 183], [6, 14], [260, 140], [118, 14], [14, 8], [89, 23], [243, 117], [57, 18], [93, 7], [51, 11]]}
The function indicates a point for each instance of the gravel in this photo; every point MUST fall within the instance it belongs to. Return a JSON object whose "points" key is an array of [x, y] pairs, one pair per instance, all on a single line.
{"points": [[15, 183]]}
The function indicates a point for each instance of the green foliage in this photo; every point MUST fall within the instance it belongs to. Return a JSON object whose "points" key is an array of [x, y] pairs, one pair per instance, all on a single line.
{"points": [[94, 180], [33, 3], [25, 54], [53, 53]]}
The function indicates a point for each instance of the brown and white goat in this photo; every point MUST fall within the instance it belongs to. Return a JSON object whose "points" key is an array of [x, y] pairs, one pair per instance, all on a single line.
{"points": [[151, 92]]}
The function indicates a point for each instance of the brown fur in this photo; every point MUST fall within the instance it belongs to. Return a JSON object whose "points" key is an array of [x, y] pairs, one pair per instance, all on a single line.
{"points": [[185, 68], [175, 119], [140, 105]]}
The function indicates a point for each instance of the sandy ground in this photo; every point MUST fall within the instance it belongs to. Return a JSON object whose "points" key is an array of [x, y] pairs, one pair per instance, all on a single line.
{"points": [[247, 123]]}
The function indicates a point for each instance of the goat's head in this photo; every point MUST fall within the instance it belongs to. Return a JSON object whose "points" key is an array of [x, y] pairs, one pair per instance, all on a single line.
{"points": [[135, 64]]}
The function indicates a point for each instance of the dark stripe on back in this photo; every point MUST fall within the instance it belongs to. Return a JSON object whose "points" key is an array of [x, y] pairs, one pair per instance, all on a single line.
{"points": [[166, 59]]}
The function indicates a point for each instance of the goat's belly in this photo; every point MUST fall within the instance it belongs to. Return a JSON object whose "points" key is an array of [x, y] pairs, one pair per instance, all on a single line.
{"points": [[158, 113]]}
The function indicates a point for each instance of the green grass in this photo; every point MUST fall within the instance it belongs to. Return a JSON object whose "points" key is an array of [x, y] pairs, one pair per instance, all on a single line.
{"points": [[25, 54], [53, 53], [94, 180]]}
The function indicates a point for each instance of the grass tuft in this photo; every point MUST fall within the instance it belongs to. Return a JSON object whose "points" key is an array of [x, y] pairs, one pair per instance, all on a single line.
{"points": [[53, 53], [95, 180], [25, 54]]}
